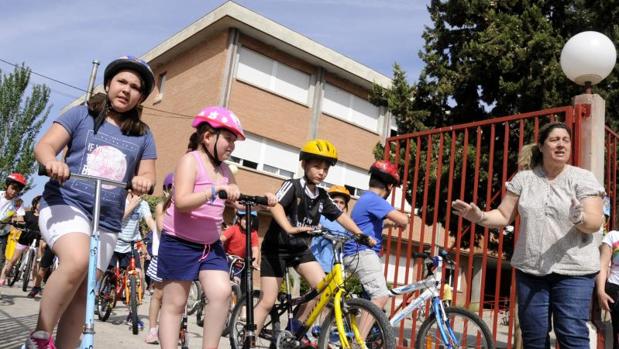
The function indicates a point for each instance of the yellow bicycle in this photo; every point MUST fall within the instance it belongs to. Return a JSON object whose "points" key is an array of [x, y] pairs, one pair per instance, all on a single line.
{"points": [[340, 329]]}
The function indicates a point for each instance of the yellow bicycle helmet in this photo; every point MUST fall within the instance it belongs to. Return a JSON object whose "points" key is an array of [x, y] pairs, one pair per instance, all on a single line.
{"points": [[319, 149], [339, 190]]}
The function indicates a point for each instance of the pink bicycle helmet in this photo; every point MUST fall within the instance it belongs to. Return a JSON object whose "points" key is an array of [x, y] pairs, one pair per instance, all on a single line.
{"points": [[220, 117]]}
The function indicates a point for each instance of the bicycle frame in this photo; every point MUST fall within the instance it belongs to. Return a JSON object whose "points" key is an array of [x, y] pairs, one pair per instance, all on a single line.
{"points": [[129, 271], [331, 288], [88, 338], [430, 285]]}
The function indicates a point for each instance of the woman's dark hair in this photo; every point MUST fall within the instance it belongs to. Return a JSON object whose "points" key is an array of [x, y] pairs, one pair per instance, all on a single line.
{"points": [[35, 201], [544, 132], [196, 137], [131, 125]]}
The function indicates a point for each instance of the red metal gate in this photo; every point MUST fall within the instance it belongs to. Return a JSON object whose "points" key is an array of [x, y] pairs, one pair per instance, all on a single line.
{"points": [[471, 162]]}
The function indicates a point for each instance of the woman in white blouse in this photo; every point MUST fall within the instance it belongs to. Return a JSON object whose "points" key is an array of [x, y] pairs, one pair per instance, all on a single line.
{"points": [[556, 254]]}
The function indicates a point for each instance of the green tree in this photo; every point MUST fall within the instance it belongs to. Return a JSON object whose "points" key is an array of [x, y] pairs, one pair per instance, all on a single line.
{"points": [[21, 118], [493, 58]]}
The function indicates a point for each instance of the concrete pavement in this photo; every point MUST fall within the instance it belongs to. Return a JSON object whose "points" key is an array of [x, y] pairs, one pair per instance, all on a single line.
{"points": [[18, 316]]}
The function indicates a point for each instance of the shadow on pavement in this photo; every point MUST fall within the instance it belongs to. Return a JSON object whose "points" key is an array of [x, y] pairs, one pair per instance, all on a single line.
{"points": [[15, 330]]}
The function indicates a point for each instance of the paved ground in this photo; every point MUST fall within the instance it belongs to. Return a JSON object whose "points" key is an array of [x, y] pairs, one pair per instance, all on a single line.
{"points": [[18, 315]]}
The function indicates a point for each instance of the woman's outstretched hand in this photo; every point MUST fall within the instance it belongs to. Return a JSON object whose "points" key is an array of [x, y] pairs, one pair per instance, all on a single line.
{"points": [[467, 211]]}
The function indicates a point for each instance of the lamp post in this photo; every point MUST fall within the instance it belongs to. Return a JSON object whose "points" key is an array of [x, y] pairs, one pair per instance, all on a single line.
{"points": [[587, 58]]}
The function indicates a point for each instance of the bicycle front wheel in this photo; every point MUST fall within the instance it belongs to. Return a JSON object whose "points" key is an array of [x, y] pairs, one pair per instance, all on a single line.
{"points": [[195, 297], [106, 297], [27, 270], [133, 303], [462, 328], [237, 322], [354, 312]]}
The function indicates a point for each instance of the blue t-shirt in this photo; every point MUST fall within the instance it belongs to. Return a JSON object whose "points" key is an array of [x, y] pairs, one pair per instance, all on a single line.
{"points": [[130, 227], [368, 213], [108, 154], [323, 248]]}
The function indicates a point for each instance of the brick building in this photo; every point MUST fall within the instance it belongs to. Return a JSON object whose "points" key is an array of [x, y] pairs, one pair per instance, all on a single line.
{"points": [[284, 87]]}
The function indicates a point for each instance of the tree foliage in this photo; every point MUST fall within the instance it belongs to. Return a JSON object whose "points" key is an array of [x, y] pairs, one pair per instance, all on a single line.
{"points": [[21, 118], [493, 58]]}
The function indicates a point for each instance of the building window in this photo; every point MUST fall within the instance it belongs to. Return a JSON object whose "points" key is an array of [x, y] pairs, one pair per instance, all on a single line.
{"points": [[265, 155], [354, 179], [268, 74], [348, 107]]}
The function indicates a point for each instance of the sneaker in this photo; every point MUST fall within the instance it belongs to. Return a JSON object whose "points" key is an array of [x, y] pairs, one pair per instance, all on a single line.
{"points": [[140, 325], [152, 337], [39, 340], [35, 290], [307, 343]]}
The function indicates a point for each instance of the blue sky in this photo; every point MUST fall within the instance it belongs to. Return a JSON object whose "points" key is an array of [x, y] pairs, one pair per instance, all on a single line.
{"points": [[59, 39]]}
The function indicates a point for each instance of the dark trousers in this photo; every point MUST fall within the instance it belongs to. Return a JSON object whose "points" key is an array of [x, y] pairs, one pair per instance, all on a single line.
{"points": [[3, 240], [613, 291], [564, 299]]}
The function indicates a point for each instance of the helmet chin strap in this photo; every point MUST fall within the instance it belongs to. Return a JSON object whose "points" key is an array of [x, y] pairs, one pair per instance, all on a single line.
{"points": [[214, 157]]}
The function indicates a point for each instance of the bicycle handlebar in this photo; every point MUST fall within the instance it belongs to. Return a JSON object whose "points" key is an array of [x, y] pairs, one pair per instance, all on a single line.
{"points": [[442, 253], [249, 199], [43, 172], [362, 239]]}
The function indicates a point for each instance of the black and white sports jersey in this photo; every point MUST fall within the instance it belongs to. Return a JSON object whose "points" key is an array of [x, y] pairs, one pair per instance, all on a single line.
{"points": [[302, 208]]}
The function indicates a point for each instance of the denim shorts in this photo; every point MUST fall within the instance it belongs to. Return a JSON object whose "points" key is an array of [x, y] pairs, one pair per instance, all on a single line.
{"points": [[183, 260]]}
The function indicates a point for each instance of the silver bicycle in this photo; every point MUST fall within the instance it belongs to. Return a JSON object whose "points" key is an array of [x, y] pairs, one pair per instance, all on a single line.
{"points": [[443, 327]]}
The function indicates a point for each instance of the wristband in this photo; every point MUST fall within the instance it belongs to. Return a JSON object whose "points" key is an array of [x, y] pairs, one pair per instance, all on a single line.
{"points": [[483, 216], [213, 194]]}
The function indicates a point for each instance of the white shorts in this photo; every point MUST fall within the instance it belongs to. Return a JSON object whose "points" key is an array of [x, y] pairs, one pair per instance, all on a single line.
{"points": [[370, 270], [20, 247], [59, 220]]}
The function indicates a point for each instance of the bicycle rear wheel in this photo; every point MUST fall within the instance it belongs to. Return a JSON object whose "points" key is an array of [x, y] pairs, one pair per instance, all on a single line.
{"points": [[27, 270], [381, 334], [15, 274], [464, 329], [133, 303]]}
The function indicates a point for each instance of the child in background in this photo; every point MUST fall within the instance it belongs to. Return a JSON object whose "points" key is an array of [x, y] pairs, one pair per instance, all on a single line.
{"points": [[152, 337], [15, 183], [607, 281], [322, 248], [369, 213], [190, 248]]}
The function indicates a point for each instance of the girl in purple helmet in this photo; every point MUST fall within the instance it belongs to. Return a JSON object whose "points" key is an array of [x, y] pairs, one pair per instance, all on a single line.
{"points": [[105, 139], [190, 247]]}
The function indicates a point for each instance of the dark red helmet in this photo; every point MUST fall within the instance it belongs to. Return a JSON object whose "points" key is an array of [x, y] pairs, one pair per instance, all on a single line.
{"points": [[18, 178], [386, 172]]}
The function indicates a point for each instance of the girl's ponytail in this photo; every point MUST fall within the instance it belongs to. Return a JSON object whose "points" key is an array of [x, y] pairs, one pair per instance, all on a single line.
{"points": [[193, 142]]}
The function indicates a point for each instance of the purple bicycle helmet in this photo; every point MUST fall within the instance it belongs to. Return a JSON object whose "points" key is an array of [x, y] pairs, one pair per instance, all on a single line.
{"points": [[168, 181]]}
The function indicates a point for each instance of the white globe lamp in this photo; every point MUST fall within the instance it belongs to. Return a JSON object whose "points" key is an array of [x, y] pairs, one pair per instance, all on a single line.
{"points": [[588, 57]]}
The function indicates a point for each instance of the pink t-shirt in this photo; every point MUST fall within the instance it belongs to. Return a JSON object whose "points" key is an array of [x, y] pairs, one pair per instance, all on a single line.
{"points": [[203, 224]]}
